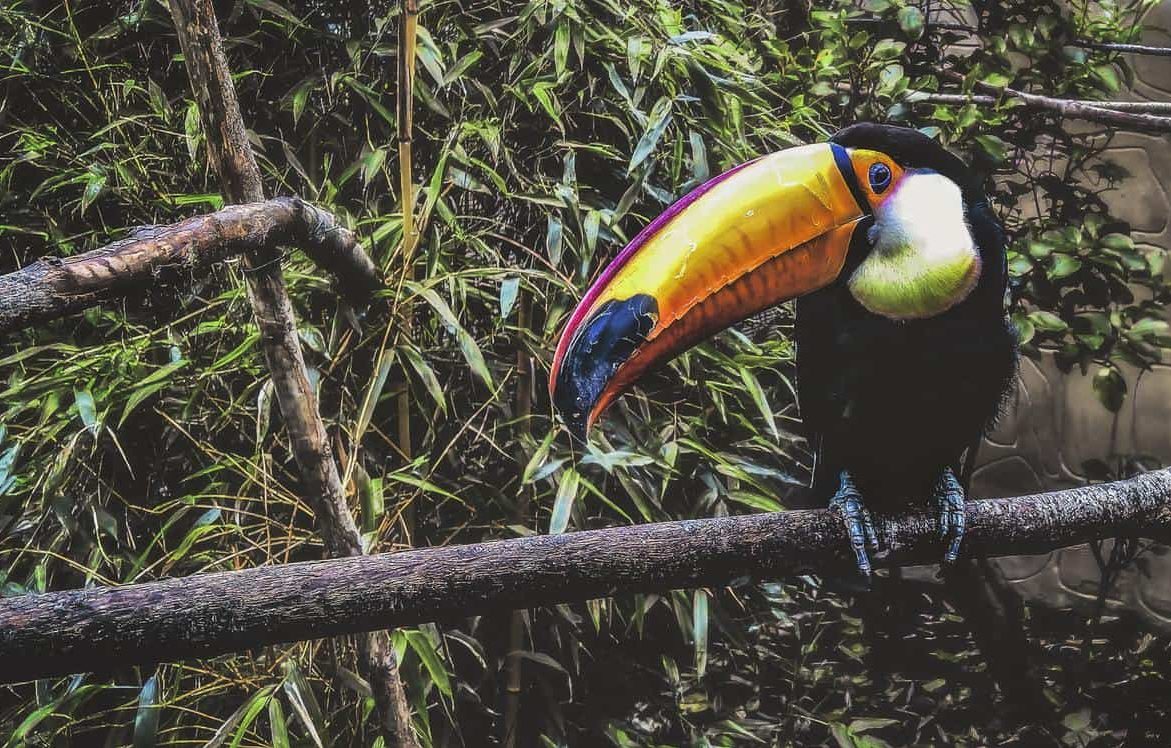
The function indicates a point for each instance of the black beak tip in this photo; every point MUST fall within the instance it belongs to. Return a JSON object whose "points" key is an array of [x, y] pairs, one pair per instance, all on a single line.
{"points": [[603, 344], [572, 409]]}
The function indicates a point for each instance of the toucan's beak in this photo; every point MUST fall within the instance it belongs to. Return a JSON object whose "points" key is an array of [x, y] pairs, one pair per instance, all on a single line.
{"points": [[765, 232]]}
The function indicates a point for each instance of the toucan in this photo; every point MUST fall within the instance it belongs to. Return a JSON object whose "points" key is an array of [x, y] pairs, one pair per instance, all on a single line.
{"points": [[898, 266]]}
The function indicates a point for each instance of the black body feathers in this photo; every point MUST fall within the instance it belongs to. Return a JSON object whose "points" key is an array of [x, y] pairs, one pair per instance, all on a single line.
{"points": [[896, 402]]}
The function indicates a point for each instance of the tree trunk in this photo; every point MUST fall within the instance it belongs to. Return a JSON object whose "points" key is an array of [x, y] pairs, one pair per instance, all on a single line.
{"points": [[233, 159]]}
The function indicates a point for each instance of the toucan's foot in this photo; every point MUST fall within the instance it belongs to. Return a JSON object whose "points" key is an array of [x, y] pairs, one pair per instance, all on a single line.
{"points": [[847, 502], [949, 502]]}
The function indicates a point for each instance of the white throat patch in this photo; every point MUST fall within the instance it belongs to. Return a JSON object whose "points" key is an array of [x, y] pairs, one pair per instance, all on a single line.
{"points": [[923, 259]]}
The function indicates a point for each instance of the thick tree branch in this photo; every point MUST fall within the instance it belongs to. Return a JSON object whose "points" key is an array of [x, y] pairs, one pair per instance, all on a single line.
{"points": [[53, 287], [56, 633], [232, 156]]}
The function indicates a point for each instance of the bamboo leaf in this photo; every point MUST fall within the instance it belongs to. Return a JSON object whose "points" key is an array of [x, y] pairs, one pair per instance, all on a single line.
{"points": [[561, 47], [553, 240], [427, 375], [302, 700], [657, 123], [563, 505], [264, 410], [146, 719], [758, 397], [373, 394], [252, 709], [276, 721], [87, 409], [192, 131], [509, 289], [423, 647], [467, 344], [699, 618]]}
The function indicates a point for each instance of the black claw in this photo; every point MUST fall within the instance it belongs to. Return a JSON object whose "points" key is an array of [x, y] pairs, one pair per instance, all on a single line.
{"points": [[949, 499], [859, 525], [868, 528]]}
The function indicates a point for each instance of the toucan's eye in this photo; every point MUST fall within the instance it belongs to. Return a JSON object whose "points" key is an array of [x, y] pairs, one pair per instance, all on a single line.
{"points": [[879, 177]]}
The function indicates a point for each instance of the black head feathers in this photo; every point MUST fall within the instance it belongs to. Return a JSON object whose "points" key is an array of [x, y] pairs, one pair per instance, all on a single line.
{"points": [[912, 150]]}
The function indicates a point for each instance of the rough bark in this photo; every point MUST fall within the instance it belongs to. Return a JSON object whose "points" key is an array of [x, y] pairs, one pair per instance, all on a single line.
{"points": [[231, 155], [95, 629], [54, 287]]}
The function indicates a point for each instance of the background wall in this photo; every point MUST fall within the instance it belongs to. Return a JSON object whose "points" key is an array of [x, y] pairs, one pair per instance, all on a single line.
{"points": [[1056, 423]]}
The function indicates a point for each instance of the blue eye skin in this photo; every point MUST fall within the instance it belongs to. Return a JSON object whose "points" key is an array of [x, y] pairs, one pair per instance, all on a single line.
{"points": [[879, 177]]}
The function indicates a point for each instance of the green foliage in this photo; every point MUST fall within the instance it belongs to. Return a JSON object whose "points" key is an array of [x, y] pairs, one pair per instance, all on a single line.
{"points": [[140, 440]]}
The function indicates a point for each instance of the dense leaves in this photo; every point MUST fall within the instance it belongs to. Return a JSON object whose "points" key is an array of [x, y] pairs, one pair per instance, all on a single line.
{"points": [[141, 440]]}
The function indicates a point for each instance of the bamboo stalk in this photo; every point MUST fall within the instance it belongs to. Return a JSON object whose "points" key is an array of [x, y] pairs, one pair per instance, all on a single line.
{"points": [[232, 156], [97, 629], [514, 673], [405, 122], [407, 37]]}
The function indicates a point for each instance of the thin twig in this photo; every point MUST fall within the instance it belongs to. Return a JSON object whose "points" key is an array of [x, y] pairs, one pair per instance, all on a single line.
{"points": [[963, 28], [1131, 49]]}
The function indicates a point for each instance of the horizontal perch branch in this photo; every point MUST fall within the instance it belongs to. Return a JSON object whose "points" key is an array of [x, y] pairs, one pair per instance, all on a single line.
{"points": [[53, 287], [97, 629]]}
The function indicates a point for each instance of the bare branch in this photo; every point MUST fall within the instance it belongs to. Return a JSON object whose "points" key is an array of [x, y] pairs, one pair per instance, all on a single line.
{"points": [[52, 634], [1139, 107], [1075, 109], [963, 28], [53, 287], [1133, 49]]}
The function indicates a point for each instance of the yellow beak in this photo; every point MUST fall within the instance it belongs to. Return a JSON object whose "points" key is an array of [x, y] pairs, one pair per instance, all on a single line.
{"points": [[764, 232]]}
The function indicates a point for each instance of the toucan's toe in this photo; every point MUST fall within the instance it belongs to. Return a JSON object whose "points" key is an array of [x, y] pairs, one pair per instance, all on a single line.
{"points": [[949, 503], [847, 502]]}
